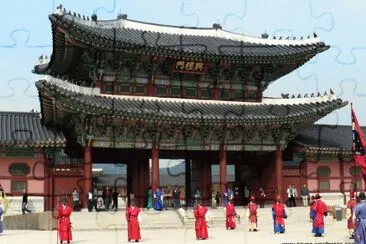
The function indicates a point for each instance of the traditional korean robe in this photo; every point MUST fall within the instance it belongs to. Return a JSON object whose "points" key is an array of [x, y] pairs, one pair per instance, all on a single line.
{"points": [[279, 214], [360, 222], [230, 216], [321, 210], [200, 224], [228, 195], [133, 225], [158, 201], [64, 223], [252, 214], [351, 204], [1, 219]]}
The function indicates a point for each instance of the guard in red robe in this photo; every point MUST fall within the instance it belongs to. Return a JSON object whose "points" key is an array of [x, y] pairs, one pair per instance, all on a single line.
{"points": [[252, 214], [279, 215], [230, 215], [133, 225], [200, 224], [64, 212], [321, 210], [351, 204]]}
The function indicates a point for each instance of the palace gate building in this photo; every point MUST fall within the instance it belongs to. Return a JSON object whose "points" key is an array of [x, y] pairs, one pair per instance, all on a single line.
{"points": [[124, 90]]}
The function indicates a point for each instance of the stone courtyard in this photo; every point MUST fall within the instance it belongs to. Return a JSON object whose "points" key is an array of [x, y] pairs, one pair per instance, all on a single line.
{"points": [[108, 227]]}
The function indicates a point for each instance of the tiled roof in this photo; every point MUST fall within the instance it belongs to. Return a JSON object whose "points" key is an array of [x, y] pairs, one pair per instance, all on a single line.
{"points": [[25, 130], [189, 111], [327, 138], [168, 40]]}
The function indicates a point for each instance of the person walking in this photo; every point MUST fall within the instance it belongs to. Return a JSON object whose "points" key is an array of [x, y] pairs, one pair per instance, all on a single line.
{"points": [[25, 202]]}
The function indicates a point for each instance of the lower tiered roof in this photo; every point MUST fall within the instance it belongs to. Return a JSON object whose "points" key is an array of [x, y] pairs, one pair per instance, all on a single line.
{"points": [[76, 99]]}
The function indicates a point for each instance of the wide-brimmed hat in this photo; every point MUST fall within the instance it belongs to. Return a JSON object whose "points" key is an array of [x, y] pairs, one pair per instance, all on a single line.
{"points": [[317, 196]]}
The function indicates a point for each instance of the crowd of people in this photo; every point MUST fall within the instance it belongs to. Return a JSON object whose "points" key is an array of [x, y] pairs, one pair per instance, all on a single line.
{"points": [[318, 210]]}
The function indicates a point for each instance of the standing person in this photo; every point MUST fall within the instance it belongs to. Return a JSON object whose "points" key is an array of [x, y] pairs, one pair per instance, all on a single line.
{"points": [[295, 194], [291, 196], [2, 212], [75, 199], [252, 214], [321, 210], [305, 195], [158, 200], [95, 198], [360, 219], [115, 199], [262, 196], [64, 212], [197, 196], [200, 223], [230, 216], [133, 219], [351, 204], [176, 197], [90, 201], [25, 202], [279, 214], [312, 212], [217, 198], [149, 198]]}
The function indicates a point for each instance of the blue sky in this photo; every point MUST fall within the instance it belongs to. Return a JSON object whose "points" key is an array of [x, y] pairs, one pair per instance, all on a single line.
{"points": [[26, 34]]}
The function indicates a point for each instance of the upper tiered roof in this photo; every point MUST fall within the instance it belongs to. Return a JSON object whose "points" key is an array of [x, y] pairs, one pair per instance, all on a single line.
{"points": [[210, 44]]}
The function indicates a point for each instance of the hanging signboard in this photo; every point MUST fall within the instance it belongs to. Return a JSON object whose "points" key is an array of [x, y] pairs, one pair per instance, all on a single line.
{"points": [[191, 67]]}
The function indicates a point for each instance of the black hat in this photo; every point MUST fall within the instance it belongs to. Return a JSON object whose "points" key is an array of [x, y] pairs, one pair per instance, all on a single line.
{"points": [[64, 200], [362, 195]]}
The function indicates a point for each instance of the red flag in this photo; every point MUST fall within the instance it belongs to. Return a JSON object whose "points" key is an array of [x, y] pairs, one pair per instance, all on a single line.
{"points": [[359, 143]]}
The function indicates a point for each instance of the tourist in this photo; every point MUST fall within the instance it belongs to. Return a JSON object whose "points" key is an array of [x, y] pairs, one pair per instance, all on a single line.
{"points": [[197, 196], [95, 198], [64, 212], [252, 214], [115, 199], [25, 202], [2, 212], [321, 210], [291, 196], [158, 200], [305, 195], [75, 200], [90, 201], [262, 196], [176, 197], [133, 219], [217, 199], [200, 223], [149, 198], [279, 215]]}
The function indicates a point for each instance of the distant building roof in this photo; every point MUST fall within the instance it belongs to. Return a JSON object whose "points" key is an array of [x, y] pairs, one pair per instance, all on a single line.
{"points": [[24, 129], [326, 138]]}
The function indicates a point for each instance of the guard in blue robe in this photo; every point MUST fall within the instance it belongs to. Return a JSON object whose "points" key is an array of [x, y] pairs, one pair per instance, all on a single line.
{"points": [[228, 195], [360, 220], [158, 200]]}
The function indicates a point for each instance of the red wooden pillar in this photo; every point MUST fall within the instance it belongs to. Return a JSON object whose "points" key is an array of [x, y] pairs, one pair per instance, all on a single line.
{"points": [[155, 167], [88, 177], [223, 169], [279, 168]]}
